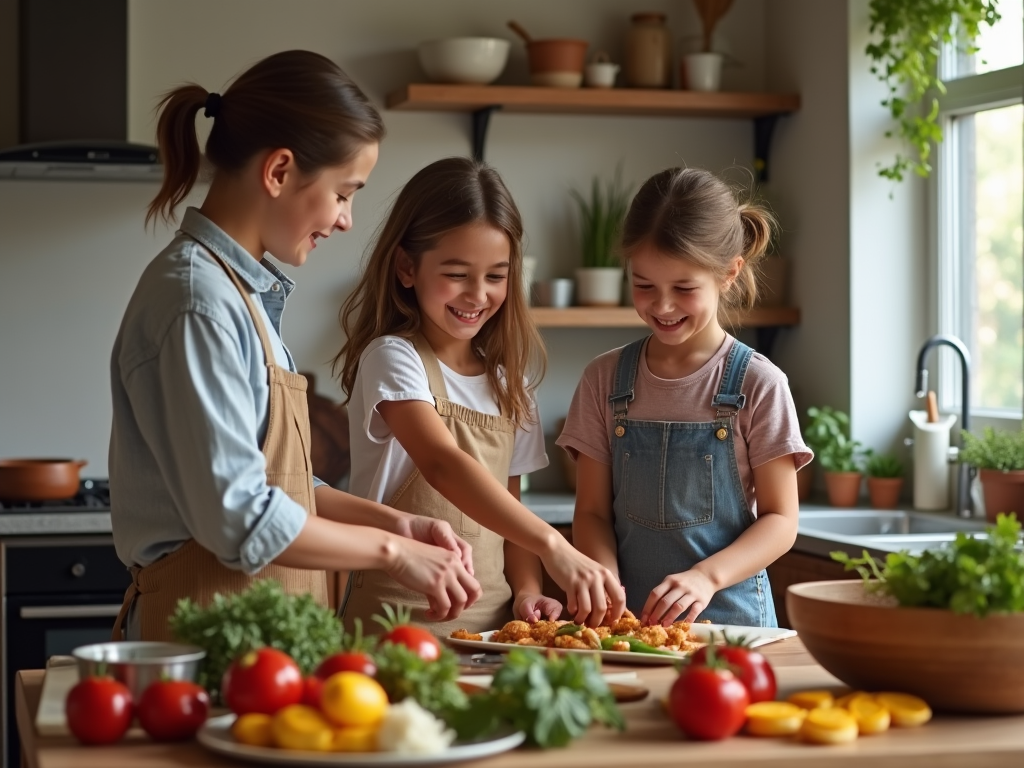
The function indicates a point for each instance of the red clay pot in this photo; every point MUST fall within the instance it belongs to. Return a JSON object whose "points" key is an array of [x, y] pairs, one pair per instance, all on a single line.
{"points": [[843, 488], [884, 492], [1004, 492]]}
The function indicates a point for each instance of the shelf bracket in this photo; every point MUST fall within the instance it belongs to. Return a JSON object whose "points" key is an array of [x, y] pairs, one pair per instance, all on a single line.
{"points": [[763, 127], [481, 119]]}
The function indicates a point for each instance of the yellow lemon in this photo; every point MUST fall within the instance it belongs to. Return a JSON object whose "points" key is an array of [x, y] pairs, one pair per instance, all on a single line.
{"points": [[906, 710], [871, 716], [253, 729], [774, 718], [812, 699], [829, 726], [358, 738], [352, 698], [300, 727]]}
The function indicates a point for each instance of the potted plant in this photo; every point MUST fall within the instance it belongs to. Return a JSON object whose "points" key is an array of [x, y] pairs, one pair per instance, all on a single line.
{"points": [[828, 435], [999, 458], [885, 479], [908, 36], [599, 281]]}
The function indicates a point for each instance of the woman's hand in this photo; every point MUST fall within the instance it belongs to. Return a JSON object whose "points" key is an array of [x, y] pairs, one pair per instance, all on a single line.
{"points": [[438, 532], [688, 592], [533, 607], [436, 572], [593, 592]]}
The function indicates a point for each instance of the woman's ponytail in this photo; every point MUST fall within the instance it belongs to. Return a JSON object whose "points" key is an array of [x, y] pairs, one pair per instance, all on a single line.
{"points": [[179, 148]]}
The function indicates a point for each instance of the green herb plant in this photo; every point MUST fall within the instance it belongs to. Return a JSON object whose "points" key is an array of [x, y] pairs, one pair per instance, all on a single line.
{"points": [[553, 699], [601, 217], [263, 615], [996, 449], [908, 36], [828, 435], [969, 575], [402, 673], [882, 465]]}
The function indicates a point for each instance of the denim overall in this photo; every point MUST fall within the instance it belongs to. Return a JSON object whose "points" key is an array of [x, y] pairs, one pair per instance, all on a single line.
{"points": [[677, 493]]}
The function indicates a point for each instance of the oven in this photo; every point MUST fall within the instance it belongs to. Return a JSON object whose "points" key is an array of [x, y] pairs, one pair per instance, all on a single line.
{"points": [[59, 592]]}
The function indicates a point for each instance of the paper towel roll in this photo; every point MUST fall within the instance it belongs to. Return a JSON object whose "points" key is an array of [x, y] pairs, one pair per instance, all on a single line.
{"points": [[931, 460]]}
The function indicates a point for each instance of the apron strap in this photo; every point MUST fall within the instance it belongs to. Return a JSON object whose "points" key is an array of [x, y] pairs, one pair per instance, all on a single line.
{"points": [[625, 378], [729, 394], [434, 376], [261, 329], [120, 631]]}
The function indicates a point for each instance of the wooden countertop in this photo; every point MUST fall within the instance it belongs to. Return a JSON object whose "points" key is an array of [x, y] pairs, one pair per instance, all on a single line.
{"points": [[650, 739]]}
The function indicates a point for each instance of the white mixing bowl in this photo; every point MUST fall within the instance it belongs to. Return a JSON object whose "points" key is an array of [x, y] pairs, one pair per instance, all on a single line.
{"points": [[477, 60]]}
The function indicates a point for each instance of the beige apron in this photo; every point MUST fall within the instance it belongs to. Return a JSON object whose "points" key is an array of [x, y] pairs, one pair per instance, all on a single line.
{"points": [[489, 439], [194, 572]]}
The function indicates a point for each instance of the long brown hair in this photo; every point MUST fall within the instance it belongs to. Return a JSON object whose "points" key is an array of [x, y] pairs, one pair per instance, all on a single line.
{"points": [[297, 100], [444, 196], [692, 214]]}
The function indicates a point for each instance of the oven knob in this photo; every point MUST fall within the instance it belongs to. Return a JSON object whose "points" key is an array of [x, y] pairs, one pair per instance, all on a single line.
{"points": [[78, 570]]}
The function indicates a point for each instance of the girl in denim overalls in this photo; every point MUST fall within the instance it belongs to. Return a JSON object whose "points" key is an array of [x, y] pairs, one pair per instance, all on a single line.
{"points": [[687, 441]]}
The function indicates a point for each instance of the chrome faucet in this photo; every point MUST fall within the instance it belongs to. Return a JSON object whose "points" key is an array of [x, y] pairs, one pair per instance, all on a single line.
{"points": [[963, 485]]}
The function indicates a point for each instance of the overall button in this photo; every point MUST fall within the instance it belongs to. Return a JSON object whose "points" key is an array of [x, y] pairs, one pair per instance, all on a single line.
{"points": [[275, 287], [620, 431], [722, 433]]}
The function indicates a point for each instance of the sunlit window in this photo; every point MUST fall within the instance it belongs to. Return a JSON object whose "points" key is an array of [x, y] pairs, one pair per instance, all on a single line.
{"points": [[999, 47]]}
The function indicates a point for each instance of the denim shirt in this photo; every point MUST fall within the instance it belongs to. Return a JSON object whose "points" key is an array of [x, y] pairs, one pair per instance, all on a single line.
{"points": [[190, 402]]}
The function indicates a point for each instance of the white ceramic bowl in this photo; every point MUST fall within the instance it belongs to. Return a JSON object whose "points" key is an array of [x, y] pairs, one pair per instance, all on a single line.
{"points": [[475, 60]]}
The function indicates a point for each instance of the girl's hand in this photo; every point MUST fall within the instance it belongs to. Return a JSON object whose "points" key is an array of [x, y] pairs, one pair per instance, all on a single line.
{"points": [[437, 532], [593, 592], [688, 592], [436, 572], [534, 607]]}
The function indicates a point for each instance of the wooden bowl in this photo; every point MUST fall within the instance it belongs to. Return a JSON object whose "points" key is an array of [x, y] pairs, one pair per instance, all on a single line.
{"points": [[955, 663]]}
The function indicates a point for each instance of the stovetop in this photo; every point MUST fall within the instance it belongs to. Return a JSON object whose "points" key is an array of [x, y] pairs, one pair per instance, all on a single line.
{"points": [[93, 496]]}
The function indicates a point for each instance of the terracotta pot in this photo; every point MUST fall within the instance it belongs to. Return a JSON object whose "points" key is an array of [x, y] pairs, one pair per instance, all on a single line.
{"points": [[39, 479], [843, 488], [1004, 492], [954, 662], [884, 491], [557, 62], [804, 482]]}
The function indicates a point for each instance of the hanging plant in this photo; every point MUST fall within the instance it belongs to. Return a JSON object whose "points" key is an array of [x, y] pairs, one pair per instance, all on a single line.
{"points": [[905, 57]]}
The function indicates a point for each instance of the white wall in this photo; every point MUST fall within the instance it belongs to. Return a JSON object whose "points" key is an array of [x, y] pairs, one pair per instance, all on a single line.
{"points": [[70, 252]]}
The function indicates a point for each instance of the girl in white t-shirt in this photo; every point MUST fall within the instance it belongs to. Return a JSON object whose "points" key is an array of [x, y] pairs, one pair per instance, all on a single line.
{"points": [[440, 366]]}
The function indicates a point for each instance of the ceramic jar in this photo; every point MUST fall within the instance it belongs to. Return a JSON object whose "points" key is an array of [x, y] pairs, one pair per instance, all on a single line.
{"points": [[648, 61]]}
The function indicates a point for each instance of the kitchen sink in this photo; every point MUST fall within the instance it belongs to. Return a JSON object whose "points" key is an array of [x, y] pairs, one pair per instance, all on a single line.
{"points": [[887, 523]]}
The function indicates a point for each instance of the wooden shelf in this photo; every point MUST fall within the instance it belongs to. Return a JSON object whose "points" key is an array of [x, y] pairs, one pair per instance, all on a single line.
{"points": [[591, 101], [626, 317]]}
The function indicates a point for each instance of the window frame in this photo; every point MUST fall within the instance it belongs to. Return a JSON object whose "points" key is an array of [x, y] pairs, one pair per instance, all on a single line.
{"points": [[948, 195]]}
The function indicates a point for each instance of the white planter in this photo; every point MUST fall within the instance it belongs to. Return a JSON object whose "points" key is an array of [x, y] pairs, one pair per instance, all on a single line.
{"points": [[599, 286], [703, 71]]}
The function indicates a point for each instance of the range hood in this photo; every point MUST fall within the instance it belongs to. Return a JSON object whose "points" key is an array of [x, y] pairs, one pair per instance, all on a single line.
{"points": [[72, 99]]}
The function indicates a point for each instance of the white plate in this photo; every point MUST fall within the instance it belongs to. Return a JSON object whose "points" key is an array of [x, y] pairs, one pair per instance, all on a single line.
{"points": [[756, 635], [216, 736]]}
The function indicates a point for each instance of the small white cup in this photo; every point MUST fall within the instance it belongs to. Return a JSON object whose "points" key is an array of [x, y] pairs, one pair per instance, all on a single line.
{"points": [[600, 74], [703, 71]]}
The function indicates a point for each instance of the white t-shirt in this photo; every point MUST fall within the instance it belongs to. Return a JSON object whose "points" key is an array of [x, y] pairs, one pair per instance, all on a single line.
{"points": [[390, 369]]}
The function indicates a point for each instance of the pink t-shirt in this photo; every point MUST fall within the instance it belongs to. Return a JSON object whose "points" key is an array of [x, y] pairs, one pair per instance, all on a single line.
{"points": [[764, 429]]}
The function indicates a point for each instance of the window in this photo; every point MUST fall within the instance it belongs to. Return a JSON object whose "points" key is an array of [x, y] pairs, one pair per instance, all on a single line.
{"points": [[979, 182]]}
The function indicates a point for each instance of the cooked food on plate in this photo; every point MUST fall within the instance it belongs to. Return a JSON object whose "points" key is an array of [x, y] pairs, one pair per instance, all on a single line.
{"points": [[626, 634]]}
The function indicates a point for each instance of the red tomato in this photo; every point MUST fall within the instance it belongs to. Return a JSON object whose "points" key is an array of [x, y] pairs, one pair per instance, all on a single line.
{"points": [[312, 691], [424, 644], [99, 710], [708, 703], [346, 661], [173, 710], [264, 680], [749, 666]]}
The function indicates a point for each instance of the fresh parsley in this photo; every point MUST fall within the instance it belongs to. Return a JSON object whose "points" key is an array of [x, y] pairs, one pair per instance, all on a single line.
{"points": [[262, 615], [404, 674], [969, 575]]}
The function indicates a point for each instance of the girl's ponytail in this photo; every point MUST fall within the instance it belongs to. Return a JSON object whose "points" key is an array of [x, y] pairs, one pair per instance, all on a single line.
{"points": [[179, 148], [757, 226]]}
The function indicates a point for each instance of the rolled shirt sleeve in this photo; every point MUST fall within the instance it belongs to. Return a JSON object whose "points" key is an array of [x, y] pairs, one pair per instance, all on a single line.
{"points": [[197, 414]]}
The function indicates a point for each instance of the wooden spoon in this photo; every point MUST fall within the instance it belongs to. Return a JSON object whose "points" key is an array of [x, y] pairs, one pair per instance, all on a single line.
{"points": [[515, 27], [933, 407], [710, 12]]}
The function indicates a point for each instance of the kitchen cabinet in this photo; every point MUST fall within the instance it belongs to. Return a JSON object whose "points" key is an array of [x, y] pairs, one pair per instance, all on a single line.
{"points": [[796, 568]]}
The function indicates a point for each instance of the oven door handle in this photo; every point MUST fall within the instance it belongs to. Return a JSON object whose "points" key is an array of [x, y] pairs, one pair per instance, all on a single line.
{"points": [[69, 611]]}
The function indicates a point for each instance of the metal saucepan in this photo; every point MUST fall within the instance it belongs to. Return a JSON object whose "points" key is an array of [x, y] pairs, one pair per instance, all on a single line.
{"points": [[39, 479]]}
